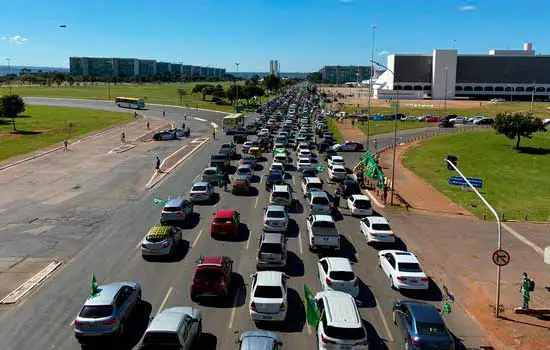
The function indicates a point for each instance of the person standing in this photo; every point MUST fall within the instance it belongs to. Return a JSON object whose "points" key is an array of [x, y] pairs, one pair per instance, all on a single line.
{"points": [[163, 114], [225, 181], [65, 145], [336, 199], [148, 126], [525, 289], [214, 134], [157, 166], [123, 137]]}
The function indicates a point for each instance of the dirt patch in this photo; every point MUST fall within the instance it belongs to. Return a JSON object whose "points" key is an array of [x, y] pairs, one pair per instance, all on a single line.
{"points": [[10, 136]]}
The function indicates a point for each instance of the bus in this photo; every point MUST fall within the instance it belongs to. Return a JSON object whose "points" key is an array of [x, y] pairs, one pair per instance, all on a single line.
{"points": [[130, 102], [232, 122]]}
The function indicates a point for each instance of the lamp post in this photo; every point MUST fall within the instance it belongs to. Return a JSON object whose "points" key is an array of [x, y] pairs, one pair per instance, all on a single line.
{"points": [[370, 87], [445, 100], [181, 71], [511, 92], [499, 232], [532, 98], [237, 88], [9, 72], [394, 132]]}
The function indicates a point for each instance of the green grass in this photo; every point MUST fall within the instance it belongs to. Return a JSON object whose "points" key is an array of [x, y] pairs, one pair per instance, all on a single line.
{"points": [[385, 126], [41, 126], [513, 182], [490, 110], [333, 128], [153, 93]]}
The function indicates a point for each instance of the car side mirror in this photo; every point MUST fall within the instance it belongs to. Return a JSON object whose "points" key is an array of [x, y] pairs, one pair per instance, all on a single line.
{"points": [[280, 343]]}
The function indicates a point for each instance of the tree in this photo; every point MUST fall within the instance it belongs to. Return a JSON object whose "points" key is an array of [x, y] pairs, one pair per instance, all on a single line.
{"points": [[207, 90], [181, 94], [315, 78], [218, 91], [231, 92], [272, 83], [254, 79], [11, 106], [517, 126]]}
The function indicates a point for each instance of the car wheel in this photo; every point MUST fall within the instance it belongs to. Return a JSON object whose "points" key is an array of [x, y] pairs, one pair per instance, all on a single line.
{"points": [[392, 286]]}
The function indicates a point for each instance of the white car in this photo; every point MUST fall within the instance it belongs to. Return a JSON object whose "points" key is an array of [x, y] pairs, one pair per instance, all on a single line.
{"points": [[337, 274], [245, 170], [268, 296], [403, 270], [337, 172], [277, 167], [377, 229], [336, 160], [359, 205], [305, 153], [347, 146], [275, 218], [303, 163], [201, 192], [281, 158]]}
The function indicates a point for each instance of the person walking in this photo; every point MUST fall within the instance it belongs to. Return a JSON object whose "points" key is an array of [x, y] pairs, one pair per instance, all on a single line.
{"points": [[148, 126], [65, 145], [183, 125], [336, 199], [163, 114], [135, 114], [185, 117], [123, 137], [157, 166], [226, 180], [214, 134]]}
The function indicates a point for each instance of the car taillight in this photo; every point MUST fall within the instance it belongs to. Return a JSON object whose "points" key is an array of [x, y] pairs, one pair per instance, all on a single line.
{"points": [[143, 245], [415, 342], [328, 282], [326, 340], [364, 342], [283, 306], [401, 278], [424, 279], [181, 213], [77, 323], [253, 306], [165, 244], [109, 323]]}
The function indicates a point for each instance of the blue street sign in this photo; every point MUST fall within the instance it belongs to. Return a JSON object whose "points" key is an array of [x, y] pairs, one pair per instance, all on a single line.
{"points": [[459, 181]]}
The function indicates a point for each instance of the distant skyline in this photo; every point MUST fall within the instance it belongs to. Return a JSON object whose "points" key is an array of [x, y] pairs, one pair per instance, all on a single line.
{"points": [[303, 35]]}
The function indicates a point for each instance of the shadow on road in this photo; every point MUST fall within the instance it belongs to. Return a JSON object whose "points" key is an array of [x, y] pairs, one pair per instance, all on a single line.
{"points": [[375, 341], [191, 222], [293, 230], [296, 207], [294, 265], [242, 233], [207, 341], [365, 296], [432, 294], [179, 253], [236, 295]]}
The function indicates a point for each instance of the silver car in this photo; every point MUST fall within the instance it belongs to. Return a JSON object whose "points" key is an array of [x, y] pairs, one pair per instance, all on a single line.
{"points": [[105, 313], [161, 240], [174, 328], [275, 218], [211, 174], [245, 170], [201, 192]]}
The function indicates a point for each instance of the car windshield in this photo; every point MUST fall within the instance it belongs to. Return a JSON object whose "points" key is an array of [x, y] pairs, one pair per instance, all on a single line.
{"points": [[430, 328], [381, 227], [268, 292], [409, 267], [223, 220], [218, 157], [274, 177], [172, 209], [210, 172], [342, 275], [344, 333], [320, 201], [324, 224], [361, 204], [275, 214], [208, 274], [243, 170], [272, 248], [98, 311], [280, 195], [200, 188], [338, 170], [311, 186], [309, 173], [160, 338]]}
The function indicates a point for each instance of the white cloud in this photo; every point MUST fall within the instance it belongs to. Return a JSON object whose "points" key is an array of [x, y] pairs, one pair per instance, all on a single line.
{"points": [[467, 8], [17, 39], [384, 53]]}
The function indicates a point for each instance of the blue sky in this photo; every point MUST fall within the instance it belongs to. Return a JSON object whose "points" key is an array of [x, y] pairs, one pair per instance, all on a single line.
{"points": [[302, 34]]}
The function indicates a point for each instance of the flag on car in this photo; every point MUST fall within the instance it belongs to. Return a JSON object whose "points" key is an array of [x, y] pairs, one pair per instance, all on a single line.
{"points": [[94, 289], [312, 313], [159, 201]]}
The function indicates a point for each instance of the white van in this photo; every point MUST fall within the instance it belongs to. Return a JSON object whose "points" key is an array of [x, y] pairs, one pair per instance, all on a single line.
{"points": [[311, 182], [281, 195], [319, 203]]}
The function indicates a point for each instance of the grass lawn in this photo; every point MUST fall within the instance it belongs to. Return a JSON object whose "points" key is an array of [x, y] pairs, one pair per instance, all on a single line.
{"points": [[41, 126], [376, 127], [513, 182], [152, 93], [333, 128], [489, 110]]}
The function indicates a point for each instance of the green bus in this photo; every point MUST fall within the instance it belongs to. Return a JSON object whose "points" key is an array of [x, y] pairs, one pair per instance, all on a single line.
{"points": [[130, 102]]}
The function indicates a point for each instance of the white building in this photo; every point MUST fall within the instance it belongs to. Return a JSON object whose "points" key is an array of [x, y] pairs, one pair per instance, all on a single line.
{"points": [[274, 68]]}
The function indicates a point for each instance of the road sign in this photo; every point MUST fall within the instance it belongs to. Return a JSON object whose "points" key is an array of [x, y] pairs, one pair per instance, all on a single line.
{"points": [[459, 181], [501, 257]]}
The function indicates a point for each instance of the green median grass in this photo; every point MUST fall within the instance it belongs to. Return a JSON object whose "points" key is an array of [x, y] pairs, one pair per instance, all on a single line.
{"points": [[376, 127], [333, 128], [514, 183], [41, 126], [152, 93]]}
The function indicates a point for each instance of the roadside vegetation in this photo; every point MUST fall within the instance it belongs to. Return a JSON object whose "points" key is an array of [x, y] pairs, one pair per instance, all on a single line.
{"points": [[515, 180], [376, 127]]}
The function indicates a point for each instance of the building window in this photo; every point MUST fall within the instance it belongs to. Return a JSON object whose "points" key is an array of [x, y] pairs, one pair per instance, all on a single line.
{"points": [[478, 88], [548, 89], [520, 89], [408, 87], [458, 88], [529, 89], [488, 88], [468, 88], [540, 89], [499, 88], [397, 87], [508, 89], [427, 87], [418, 88]]}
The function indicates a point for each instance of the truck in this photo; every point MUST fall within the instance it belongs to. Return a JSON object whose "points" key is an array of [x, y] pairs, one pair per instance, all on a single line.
{"points": [[322, 233]]}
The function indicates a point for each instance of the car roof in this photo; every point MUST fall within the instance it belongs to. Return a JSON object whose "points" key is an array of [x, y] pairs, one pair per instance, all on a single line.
{"points": [[339, 264], [321, 217], [282, 188], [338, 166], [170, 320], [360, 196], [337, 157], [304, 159], [174, 202], [106, 294], [401, 256], [275, 207], [320, 193], [313, 179], [276, 163], [341, 310], [258, 340], [211, 260], [423, 312], [377, 220], [200, 183], [269, 278], [224, 213], [244, 166], [272, 237], [211, 168]]}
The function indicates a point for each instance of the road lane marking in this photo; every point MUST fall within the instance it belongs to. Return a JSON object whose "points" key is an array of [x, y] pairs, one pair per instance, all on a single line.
{"points": [[139, 243], [199, 119], [197, 239], [248, 241], [196, 178], [234, 309], [513, 232], [261, 179], [256, 203], [293, 181], [165, 300], [384, 322], [300, 244]]}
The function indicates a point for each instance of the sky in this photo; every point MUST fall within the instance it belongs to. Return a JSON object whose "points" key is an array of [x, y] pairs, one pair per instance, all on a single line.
{"points": [[303, 35]]}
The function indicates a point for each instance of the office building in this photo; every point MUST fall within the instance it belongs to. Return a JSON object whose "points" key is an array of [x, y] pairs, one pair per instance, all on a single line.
{"points": [[133, 67], [274, 67], [345, 74], [446, 74]]}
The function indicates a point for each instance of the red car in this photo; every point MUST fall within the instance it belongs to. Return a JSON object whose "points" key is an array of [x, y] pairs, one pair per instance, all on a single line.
{"points": [[212, 277], [225, 222], [431, 119]]}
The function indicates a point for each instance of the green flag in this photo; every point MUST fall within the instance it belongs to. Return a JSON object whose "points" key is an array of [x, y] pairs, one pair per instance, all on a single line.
{"points": [[94, 289], [312, 313], [320, 169], [159, 202]]}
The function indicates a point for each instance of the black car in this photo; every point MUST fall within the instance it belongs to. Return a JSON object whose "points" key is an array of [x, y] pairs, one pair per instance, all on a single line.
{"points": [[274, 179], [308, 173], [446, 122], [329, 152], [485, 121], [349, 187]]}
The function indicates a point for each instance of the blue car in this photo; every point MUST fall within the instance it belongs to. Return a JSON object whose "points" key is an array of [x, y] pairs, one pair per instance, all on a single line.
{"points": [[260, 340], [422, 326]]}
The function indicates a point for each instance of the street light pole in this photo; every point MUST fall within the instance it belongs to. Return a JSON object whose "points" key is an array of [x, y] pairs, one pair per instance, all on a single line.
{"points": [[532, 98], [9, 72], [370, 87], [445, 101], [499, 231], [237, 88]]}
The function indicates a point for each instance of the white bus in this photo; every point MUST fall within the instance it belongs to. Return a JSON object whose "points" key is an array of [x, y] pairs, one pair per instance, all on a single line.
{"points": [[231, 122], [130, 102]]}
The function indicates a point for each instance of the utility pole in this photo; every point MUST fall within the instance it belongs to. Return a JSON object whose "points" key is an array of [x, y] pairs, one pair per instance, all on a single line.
{"points": [[394, 147], [9, 72], [532, 97], [445, 101], [237, 88], [372, 70]]}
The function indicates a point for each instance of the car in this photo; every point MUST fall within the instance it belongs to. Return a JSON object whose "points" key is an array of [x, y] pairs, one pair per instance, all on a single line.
{"points": [[308, 172], [260, 340], [225, 222], [177, 327], [484, 121], [337, 274], [281, 158], [349, 187], [376, 229], [329, 152], [305, 153], [281, 195], [228, 148], [201, 192], [348, 146], [161, 240], [106, 312], [319, 202], [303, 163], [249, 159], [322, 233], [240, 184], [272, 179], [268, 296], [248, 144], [422, 325], [403, 270], [431, 119], [245, 170], [220, 161], [169, 134], [272, 251], [336, 160], [446, 123], [337, 172], [359, 205], [176, 210], [275, 218], [211, 278], [211, 174], [277, 166], [340, 326], [309, 183]]}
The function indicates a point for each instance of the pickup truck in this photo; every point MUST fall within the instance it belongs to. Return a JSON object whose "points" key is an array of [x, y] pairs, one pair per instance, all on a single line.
{"points": [[220, 161], [322, 233]]}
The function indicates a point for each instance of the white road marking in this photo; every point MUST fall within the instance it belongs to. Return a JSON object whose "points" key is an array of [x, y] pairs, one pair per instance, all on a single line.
{"points": [[197, 239], [384, 322], [261, 179], [139, 243], [513, 232], [234, 309], [248, 241], [165, 300], [300, 244], [293, 181], [196, 178], [214, 125], [200, 119], [256, 203]]}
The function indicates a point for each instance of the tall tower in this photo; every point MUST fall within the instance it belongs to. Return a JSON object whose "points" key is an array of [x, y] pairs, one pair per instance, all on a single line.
{"points": [[274, 67]]}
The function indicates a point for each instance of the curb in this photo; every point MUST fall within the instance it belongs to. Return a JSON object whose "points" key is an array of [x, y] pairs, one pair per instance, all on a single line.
{"points": [[155, 181], [19, 292]]}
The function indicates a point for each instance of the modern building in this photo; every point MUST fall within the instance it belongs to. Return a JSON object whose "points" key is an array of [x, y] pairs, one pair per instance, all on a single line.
{"points": [[345, 74], [274, 68], [133, 67], [446, 74]]}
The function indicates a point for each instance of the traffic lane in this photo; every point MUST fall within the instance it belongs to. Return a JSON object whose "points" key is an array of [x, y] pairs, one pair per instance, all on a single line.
{"points": [[50, 310]]}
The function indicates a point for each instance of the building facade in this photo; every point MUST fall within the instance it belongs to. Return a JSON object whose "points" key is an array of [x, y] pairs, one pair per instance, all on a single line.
{"points": [[274, 68], [446, 74], [133, 67], [345, 74]]}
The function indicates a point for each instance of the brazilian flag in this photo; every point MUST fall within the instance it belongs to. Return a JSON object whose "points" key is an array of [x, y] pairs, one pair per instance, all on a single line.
{"points": [[94, 289], [312, 313]]}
